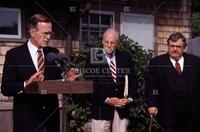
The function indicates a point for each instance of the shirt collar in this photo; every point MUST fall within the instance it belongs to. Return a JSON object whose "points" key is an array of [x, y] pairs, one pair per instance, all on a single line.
{"points": [[180, 59], [108, 55], [32, 47]]}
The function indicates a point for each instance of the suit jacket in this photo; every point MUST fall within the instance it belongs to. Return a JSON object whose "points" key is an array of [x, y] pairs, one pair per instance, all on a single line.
{"points": [[165, 89], [105, 87], [29, 110]]}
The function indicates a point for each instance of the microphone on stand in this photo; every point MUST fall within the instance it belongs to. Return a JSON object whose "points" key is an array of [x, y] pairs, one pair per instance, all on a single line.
{"points": [[60, 61], [63, 61], [66, 66], [52, 58]]}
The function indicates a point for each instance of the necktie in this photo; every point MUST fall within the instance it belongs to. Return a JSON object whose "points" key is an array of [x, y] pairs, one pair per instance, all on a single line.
{"points": [[178, 67], [40, 60], [113, 71]]}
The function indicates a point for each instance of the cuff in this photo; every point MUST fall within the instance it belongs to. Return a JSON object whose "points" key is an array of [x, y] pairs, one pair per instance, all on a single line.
{"points": [[106, 99]]}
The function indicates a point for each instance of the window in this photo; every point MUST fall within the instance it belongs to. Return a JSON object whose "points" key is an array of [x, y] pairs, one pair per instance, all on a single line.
{"points": [[139, 27], [94, 24], [10, 23]]}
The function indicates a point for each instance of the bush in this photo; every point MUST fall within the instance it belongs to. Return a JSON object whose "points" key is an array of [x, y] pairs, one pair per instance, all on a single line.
{"points": [[195, 24], [79, 105]]}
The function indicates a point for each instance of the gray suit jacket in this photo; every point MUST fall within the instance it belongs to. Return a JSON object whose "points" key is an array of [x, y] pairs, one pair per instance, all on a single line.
{"points": [[194, 46]]}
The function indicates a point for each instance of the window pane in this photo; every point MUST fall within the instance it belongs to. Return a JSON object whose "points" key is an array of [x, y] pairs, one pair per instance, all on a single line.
{"points": [[94, 36], [85, 28], [106, 19], [92, 28], [85, 36], [85, 19], [8, 23], [94, 19], [103, 30]]}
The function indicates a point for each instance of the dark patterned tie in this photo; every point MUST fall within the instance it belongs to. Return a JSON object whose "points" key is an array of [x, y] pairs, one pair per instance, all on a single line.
{"points": [[178, 67], [40, 60], [113, 71]]}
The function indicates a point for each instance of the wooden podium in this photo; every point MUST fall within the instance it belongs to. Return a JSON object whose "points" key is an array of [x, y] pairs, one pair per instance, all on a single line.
{"points": [[60, 87]]}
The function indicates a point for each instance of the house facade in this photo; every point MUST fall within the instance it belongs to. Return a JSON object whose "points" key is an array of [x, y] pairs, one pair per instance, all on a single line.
{"points": [[77, 22]]}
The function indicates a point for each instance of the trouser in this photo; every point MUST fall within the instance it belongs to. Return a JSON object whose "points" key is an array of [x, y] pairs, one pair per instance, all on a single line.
{"points": [[117, 125]]}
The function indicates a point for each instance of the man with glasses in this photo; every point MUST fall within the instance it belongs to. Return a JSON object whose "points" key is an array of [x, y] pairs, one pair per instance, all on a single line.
{"points": [[24, 65], [173, 88]]}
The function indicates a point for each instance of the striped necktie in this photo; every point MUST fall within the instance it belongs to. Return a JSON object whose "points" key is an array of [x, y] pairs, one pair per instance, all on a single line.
{"points": [[113, 71], [40, 60]]}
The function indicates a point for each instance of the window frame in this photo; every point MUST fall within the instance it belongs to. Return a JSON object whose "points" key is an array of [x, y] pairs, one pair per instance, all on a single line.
{"points": [[94, 25], [19, 31]]}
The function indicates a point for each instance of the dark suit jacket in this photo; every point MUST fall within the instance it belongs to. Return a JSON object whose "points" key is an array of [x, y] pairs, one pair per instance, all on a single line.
{"points": [[165, 88], [29, 111], [105, 87]]}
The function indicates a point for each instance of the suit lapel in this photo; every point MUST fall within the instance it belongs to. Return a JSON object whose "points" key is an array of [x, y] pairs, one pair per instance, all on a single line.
{"points": [[46, 67], [188, 72], [170, 72], [28, 60], [118, 63]]}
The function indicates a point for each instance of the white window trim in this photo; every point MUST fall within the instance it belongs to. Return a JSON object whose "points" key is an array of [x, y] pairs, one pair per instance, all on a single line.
{"points": [[96, 12], [19, 33]]}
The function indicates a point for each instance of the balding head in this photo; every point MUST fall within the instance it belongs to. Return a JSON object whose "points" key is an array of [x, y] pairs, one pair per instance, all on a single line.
{"points": [[110, 40], [111, 31]]}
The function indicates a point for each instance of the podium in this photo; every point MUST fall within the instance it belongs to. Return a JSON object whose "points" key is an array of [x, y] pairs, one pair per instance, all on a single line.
{"points": [[60, 87]]}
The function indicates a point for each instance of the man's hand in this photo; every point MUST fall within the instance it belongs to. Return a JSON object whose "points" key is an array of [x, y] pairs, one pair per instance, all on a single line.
{"points": [[125, 101], [38, 76], [153, 111], [72, 74], [113, 101], [116, 102]]}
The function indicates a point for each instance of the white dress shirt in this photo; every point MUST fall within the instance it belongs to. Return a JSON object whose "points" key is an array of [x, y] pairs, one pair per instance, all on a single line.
{"points": [[180, 61], [113, 59], [33, 51]]}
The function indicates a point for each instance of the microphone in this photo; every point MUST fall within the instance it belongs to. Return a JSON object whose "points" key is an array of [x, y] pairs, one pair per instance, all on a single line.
{"points": [[52, 58], [63, 61]]}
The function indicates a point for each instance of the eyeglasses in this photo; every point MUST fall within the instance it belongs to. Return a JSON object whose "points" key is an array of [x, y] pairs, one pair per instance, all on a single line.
{"points": [[46, 33], [176, 46]]}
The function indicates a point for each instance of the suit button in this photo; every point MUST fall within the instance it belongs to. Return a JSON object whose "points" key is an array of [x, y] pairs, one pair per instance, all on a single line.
{"points": [[116, 89], [43, 107]]}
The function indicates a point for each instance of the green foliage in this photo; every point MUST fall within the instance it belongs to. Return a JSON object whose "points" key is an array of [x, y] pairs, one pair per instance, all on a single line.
{"points": [[196, 24], [79, 105], [78, 111], [140, 56]]}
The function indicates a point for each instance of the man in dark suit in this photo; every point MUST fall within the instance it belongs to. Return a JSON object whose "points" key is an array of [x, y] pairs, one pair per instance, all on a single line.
{"points": [[112, 72], [31, 112], [173, 88]]}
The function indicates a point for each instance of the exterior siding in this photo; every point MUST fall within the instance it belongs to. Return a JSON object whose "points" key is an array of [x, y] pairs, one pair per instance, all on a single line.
{"points": [[172, 19]]}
